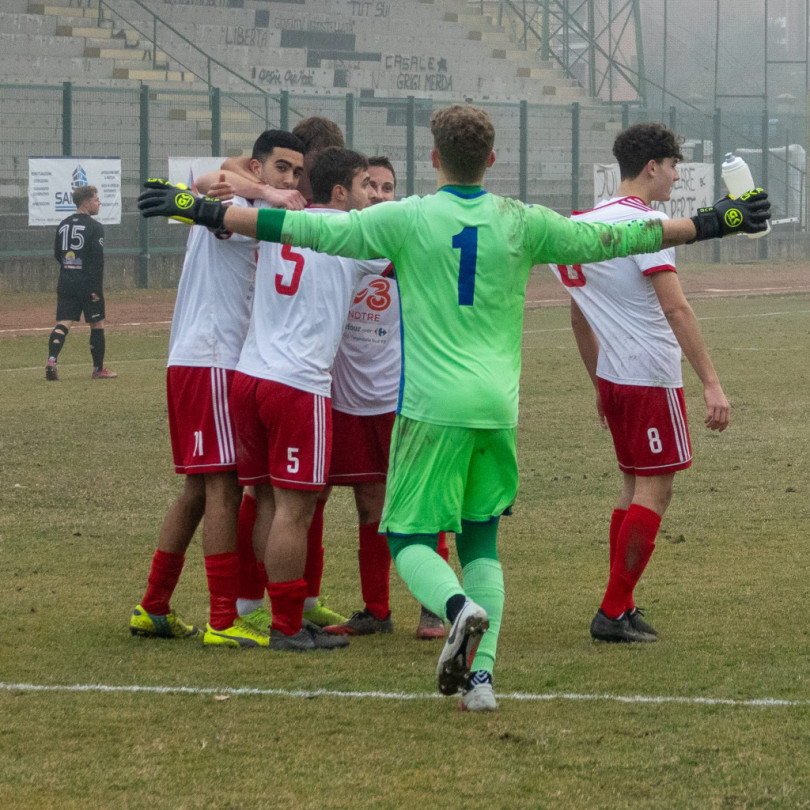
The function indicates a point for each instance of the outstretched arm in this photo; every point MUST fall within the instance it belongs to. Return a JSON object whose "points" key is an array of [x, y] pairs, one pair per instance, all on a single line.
{"points": [[684, 324], [747, 214]]}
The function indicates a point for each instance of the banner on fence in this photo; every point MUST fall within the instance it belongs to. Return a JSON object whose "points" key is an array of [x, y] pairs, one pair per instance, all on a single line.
{"points": [[52, 181], [694, 190]]}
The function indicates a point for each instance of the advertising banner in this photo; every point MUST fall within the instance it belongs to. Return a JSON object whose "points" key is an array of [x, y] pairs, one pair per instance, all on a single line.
{"points": [[52, 181]]}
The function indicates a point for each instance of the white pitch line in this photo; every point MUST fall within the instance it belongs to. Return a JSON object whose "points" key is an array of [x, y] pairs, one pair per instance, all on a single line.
{"points": [[74, 365], [112, 327], [315, 693], [751, 289]]}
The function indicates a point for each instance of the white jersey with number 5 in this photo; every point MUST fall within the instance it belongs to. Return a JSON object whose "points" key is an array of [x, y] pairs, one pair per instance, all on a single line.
{"points": [[214, 297], [636, 344], [302, 300]]}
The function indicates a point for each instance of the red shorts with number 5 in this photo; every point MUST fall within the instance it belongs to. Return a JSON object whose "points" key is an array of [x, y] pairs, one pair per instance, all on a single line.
{"points": [[283, 434], [648, 426]]}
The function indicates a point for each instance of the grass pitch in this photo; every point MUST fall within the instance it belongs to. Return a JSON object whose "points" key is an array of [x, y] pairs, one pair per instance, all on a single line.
{"points": [[714, 715]]}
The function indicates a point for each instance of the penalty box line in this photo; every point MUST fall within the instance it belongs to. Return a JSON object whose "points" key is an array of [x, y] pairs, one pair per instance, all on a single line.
{"points": [[308, 694]]}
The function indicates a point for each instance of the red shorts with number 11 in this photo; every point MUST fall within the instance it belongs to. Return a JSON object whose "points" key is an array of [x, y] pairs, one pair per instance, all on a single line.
{"points": [[648, 426], [283, 434], [199, 420]]}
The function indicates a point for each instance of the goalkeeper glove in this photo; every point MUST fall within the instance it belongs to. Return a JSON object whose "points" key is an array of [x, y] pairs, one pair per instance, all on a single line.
{"points": [[162, 199], [748, 213]]}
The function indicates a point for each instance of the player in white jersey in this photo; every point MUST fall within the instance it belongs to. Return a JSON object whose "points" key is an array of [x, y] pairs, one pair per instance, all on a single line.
{"points": [[316, 133], [631, 322], [281, 393], [365, 390], [211, 316]]}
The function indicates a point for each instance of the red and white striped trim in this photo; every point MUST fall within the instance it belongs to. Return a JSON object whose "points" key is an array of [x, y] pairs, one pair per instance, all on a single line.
{"points": [[319, 439], [222, 416], [679, 428]]}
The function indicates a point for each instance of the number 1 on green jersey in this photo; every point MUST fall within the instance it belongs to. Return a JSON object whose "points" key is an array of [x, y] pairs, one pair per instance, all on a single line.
{"points": [[467, 243]]}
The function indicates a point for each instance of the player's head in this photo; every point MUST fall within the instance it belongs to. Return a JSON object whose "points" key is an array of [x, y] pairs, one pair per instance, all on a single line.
{"points": [[382, 180], [277, 159], [463, 137], [642, 144], [85, 198], [339, 179], [318, 133]]}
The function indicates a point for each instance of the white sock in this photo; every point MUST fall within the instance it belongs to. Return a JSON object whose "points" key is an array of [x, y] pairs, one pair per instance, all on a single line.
{"points": [[311, 602], [245, 606]]}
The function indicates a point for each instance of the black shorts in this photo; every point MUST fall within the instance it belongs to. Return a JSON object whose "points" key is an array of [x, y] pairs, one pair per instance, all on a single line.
{"points": [[73, 298]]}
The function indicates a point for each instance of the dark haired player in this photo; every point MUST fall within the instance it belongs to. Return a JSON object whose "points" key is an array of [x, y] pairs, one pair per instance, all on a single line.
{"points": [[209, 325], [631, 321]]}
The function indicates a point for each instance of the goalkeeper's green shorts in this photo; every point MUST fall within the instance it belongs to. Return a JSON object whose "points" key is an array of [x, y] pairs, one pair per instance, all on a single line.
{"points": [[439, 476]]}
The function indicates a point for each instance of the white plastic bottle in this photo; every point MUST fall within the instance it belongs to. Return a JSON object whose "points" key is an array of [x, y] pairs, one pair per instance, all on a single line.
{"points": [[738, 179]]}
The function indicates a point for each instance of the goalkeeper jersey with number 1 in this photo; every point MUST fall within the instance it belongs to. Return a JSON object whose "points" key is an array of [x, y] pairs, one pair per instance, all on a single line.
{"points": [[463, 258]]}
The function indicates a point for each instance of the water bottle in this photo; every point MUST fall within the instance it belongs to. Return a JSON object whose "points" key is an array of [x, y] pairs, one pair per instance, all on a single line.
{"points": [[737, 177]]}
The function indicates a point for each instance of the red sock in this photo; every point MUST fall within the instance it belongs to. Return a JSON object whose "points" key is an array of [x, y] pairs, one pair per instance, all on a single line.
{"points": [[375, 566], [616, 520], [313, 570], [163, 576], [634, 547], [251, 574], [441, 548], [222, 571], [287, 605]]}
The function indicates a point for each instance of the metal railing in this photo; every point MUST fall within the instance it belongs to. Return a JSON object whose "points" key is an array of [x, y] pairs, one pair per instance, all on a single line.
{"points": [[545, 153]]}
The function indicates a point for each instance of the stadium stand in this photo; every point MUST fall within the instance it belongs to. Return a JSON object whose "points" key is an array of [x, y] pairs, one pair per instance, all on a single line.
{"points": [[317, 51]]}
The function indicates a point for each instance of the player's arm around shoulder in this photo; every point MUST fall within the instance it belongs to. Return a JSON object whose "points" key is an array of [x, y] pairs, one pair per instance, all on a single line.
{"points": [[684, 324]]}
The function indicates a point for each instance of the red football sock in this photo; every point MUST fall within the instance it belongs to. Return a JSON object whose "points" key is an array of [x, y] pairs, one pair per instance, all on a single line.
{"points": [[163, 576], [441, 549], [634, 547], [251, 572], [222, 571], [616, 520], [287, 605], [313, 570], [375, 566]]}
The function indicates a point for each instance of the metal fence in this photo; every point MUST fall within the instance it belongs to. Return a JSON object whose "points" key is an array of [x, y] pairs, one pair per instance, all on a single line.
{"points": [[545, 153]]}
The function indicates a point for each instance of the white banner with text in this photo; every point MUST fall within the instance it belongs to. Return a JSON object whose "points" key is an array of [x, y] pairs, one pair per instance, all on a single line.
{"points": [[694, 190], [52, 181]]}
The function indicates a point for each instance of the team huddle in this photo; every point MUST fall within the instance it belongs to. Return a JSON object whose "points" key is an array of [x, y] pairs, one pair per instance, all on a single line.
{"points": [[378, 347]]}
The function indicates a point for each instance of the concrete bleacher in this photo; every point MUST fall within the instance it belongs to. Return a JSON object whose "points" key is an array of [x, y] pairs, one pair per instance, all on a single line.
{"points": [[438, 51]]}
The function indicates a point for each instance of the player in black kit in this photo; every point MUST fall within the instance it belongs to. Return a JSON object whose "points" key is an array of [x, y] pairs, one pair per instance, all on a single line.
{"points": [[79, 249]]}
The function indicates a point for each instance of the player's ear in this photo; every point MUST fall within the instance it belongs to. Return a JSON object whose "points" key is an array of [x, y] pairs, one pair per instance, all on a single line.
{"points": [[491, 159], [255, 167], [435, 159]]}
